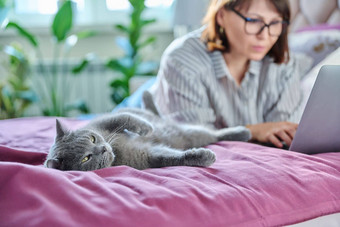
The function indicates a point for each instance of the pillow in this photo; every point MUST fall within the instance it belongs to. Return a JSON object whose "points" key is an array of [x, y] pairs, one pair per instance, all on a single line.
{"points": [[319, 27], [309, 79], [316, 42]]}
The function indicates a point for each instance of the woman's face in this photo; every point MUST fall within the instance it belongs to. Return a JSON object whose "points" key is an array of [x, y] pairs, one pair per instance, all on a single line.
{"points": [[243, 44]]}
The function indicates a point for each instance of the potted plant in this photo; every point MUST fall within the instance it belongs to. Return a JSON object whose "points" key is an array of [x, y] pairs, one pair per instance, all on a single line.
{"points": [[131, 63], [54, 88], [16, 95]]}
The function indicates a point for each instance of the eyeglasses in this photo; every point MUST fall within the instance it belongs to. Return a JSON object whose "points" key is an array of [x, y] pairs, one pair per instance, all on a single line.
{"points": [[255, 26]]}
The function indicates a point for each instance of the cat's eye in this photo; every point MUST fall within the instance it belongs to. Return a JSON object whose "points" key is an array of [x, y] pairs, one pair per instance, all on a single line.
{"points": [[93, 139], [85, 159]]}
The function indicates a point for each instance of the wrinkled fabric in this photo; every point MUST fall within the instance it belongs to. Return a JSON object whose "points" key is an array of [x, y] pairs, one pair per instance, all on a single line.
{"points": [[248, 185]]}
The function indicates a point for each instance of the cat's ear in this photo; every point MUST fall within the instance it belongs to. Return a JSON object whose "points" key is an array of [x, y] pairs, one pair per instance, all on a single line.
{"points": [[53, 163], [148, 103], [61, 130]]}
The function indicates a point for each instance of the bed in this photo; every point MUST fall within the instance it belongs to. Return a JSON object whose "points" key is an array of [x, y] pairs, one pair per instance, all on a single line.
{"points": [[248, 185]]}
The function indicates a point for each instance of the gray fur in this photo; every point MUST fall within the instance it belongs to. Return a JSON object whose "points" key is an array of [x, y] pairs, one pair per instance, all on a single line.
{"points": [[149, 104], [137, 138]]}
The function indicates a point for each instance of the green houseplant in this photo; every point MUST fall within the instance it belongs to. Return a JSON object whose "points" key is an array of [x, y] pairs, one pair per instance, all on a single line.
{"points": [[16, 94], [55, 87], [131, 63]]}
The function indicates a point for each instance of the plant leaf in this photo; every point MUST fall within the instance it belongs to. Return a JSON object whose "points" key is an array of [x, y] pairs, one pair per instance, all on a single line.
{"points": [[147, 22], [119, 94], [62, 22], [79, 105], [122, 28], [47, 112], [86, 34], [147, 41], [84, 63], [119, 83], [11, 51], [138, 5], [23, 32], [120, 90], [6, 99], [79, 68], [119, 66]]}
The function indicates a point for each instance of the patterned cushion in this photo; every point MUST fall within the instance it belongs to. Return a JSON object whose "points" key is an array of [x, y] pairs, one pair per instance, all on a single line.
{"points": [[313, 12], [317, 44]]}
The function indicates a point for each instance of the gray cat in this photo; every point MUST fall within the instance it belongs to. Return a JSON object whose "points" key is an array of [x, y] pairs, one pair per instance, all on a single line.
{"points": [[137, 138]]}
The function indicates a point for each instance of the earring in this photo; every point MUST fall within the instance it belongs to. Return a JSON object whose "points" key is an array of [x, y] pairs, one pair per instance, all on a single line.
{"points": [[222, 34], [221, 30]]}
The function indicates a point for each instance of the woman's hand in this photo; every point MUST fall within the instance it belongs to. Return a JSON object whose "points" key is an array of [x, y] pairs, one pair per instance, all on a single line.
{"points": [[273, 132]]}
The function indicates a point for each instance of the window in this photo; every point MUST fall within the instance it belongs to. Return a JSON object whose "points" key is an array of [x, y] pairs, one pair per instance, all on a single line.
{"points": [[39, 13], [117, 4], [124, 4], [35, 7], [41, 6]]}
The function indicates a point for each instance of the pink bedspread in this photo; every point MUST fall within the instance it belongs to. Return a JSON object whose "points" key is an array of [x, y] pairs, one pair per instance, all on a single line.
{"points": [[249, 185]]}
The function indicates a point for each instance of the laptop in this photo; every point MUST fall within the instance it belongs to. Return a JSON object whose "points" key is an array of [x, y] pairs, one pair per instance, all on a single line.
{"points": [[319, 127]]}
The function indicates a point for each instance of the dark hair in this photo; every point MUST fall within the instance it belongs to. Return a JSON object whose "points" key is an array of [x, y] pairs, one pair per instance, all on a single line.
{"points": [[217, 41]]}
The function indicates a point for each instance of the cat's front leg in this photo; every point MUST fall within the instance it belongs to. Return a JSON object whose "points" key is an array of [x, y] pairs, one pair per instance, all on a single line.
{"points": [[137, 124], [127, 121]]}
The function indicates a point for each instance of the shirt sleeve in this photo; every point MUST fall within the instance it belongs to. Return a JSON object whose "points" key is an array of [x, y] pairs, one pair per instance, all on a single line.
{"points": [[288, 105], [180, 94]]}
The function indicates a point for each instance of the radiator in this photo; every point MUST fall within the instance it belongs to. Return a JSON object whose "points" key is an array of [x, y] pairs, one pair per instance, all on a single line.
{"points": [[92, 85]]}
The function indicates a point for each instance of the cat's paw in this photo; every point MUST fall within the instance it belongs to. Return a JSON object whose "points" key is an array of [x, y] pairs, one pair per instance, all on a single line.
{"points": [[199, 157], [144, 130], [134, 123]]}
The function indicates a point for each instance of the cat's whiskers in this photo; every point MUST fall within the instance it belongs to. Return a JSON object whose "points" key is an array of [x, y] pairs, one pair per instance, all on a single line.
{"points": [[119, 128], [110, 139]]}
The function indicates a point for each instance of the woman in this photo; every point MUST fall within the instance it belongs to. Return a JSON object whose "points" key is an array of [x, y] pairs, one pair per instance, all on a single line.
{"points": [[234, 71]]}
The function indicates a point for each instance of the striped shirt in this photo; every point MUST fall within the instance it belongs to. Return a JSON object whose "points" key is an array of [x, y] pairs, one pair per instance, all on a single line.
{"points": [[194, 85]]}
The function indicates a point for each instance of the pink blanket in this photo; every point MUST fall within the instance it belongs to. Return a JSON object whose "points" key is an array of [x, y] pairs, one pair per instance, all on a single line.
{"points": [[249, 185]]}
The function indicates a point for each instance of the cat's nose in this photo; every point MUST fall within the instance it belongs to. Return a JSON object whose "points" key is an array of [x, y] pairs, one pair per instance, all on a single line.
{"points": [[104, 149], [100, 150]]}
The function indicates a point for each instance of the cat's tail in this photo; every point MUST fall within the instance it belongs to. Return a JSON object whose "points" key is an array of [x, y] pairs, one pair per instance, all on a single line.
{"points": [[149, 103]]}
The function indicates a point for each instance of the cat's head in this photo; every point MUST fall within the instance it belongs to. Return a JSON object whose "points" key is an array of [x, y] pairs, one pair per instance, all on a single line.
{"points": [[79, 150]]}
